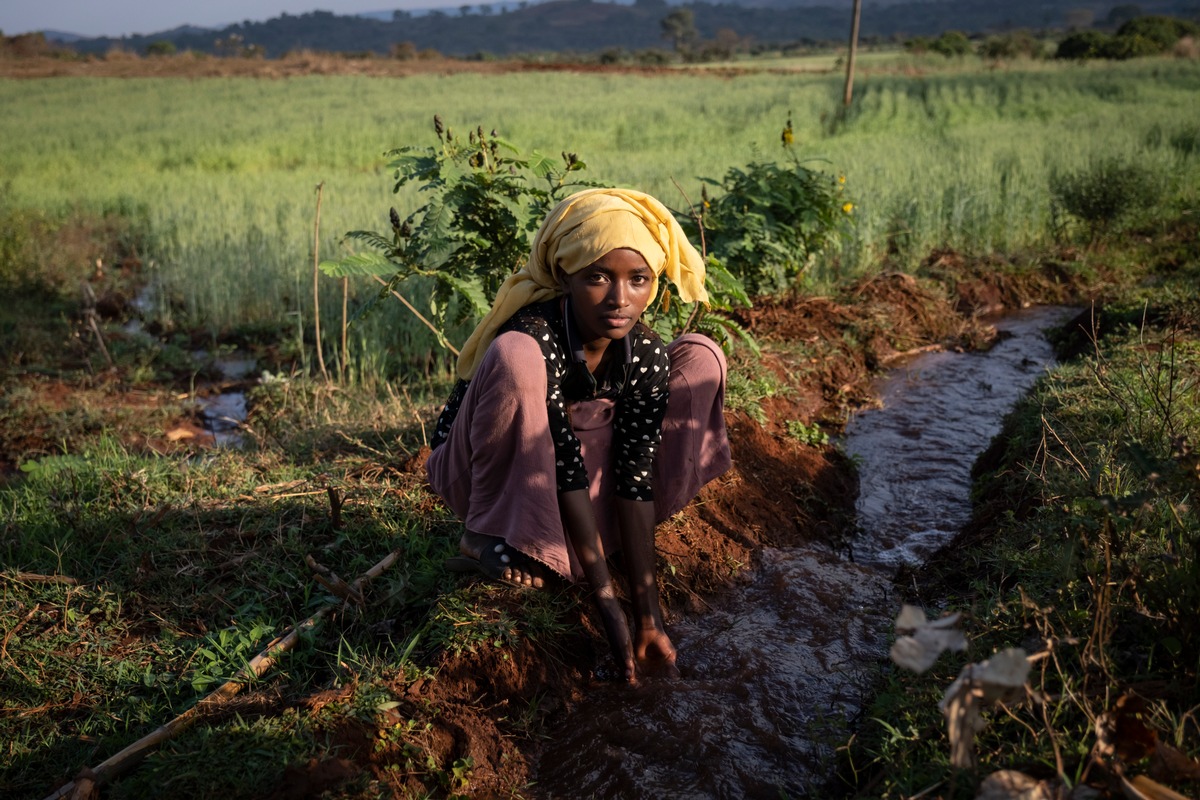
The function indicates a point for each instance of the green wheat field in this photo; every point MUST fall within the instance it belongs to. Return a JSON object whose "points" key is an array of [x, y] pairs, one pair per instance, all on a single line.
{"points": [[225, 170]]}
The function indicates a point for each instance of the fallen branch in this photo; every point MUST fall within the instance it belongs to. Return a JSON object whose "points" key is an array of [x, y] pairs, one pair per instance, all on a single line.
{"points": [[330, 580], [33, 577], [88, 780], [13, 632], [916, 351]]}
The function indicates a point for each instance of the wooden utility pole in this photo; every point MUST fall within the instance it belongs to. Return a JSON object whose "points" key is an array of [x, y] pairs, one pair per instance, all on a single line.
{"points": [[853, 51]]}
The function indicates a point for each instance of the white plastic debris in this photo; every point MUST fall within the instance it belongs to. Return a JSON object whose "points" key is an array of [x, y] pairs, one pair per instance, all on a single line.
{"points": [[928, 639], [999, 679]]}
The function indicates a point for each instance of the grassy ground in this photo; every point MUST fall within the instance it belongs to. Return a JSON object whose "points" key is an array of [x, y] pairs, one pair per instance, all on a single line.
{"points": [[142, 567], [142, 572]]}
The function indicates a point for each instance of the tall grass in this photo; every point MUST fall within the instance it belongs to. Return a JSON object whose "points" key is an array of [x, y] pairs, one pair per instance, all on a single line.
{"points": [[225, 169]]}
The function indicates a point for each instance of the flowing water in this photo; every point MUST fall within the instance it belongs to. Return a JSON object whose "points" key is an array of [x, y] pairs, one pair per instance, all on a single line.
{"points": [[771, 679], [939, 413]]}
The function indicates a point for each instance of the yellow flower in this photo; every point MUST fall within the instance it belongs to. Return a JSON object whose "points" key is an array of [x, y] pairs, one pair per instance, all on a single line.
{"points": [[848, 207], [841, 178]]}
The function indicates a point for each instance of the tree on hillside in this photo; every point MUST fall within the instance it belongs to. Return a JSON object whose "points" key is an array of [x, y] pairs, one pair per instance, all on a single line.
{"points": [[1078, 19], [680, 27], [1122, 14], [162, 47], [1164, 32]]}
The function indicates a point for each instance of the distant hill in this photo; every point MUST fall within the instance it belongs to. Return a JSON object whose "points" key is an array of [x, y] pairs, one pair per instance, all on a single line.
{"points": [[584, 26], [62, 36]]}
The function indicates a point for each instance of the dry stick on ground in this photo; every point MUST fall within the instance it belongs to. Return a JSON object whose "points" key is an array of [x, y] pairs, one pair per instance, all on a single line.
{"points": [[330, 580], [428, 324], [11, 633], [345, 370], [89, 313], [89, 779], [316, 276], [33, 577]]}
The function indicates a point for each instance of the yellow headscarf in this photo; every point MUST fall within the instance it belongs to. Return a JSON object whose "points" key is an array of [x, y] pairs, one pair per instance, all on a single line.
{"points": [[578, 232]]}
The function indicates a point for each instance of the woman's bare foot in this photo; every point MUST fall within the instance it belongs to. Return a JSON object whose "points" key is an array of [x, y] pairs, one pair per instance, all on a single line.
{"points": [[655, 654], [502, 562]]}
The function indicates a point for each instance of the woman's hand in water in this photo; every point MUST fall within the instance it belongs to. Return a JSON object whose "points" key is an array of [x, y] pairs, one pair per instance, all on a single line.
{"points": [[579, 520]]}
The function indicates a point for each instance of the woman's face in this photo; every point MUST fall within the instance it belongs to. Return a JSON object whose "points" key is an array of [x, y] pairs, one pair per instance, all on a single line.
{"points": [[610, 295]]}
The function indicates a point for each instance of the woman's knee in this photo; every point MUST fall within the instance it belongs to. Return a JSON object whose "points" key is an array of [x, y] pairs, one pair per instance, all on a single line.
{"points": [[698, 358], [515, 361]]}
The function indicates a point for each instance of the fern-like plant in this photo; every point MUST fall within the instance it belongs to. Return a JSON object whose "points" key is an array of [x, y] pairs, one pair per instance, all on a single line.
{"points": [[485, 201]]}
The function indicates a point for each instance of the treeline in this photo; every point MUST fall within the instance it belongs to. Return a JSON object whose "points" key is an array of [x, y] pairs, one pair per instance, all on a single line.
{"points": [[591, 27], [1140, 36]]}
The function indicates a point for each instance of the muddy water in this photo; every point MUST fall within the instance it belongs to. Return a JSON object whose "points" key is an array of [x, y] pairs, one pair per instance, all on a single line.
{"points": [[224, 413], [771, 678], [767, 681], [939, 412]]}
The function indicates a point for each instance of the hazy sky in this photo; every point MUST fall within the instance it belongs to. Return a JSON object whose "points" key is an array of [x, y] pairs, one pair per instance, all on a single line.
{"points": [[119, 17]]}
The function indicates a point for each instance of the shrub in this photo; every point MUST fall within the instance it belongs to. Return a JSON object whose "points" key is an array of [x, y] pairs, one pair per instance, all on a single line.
{"points": [[653, 57], [485, 202], [1121, 48], [1104, 192], [162, 47], [1083, 45], [771, 221], [1018, 44], [951, 44], [1161, 32]]}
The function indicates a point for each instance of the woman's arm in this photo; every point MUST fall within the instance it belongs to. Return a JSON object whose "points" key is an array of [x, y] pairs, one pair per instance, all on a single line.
{"points": [[579, 520], [652, 649]]}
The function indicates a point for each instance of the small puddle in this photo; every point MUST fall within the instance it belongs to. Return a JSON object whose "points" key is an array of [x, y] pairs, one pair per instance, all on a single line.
{"points": [[224, 413], [772, 680]]}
